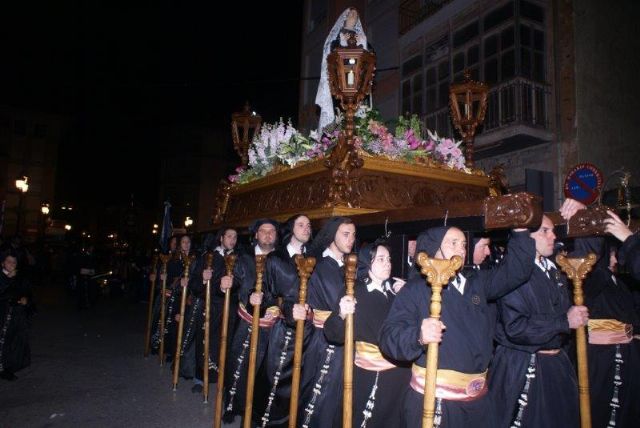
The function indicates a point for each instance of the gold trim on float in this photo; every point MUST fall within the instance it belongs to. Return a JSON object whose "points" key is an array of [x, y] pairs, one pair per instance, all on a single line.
{"points": [[476, 178]]}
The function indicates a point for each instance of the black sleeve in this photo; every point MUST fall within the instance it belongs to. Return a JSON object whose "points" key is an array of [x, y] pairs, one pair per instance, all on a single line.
{"points": [[629, 255], [514, 270]]}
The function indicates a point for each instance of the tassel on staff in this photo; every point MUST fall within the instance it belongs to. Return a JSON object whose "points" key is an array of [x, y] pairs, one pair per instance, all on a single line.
{"points": [[305, 267], [229, 262]]}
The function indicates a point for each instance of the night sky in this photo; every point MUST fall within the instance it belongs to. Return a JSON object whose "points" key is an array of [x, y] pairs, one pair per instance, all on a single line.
{"points": [[122, 71]]}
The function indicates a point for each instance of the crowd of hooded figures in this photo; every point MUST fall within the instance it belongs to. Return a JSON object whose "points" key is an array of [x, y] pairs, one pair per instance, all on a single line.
{"points": [[506, 332]]}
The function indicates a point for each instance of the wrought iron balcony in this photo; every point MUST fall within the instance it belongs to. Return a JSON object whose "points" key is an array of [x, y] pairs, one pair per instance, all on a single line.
{"points": [[518, 101]]}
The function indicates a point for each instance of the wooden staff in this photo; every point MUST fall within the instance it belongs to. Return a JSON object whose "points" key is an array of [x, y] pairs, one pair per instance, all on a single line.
{"points": [[438, 273], [347, 393], [183, 304], [229, 262], [207, 319], [305, 267], [164, 259], [152, 287], [253, 347], [576, 270]]}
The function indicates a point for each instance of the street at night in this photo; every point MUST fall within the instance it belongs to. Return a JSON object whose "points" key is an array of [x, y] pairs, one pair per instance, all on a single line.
{"points": [[374, 214], [88, 370]]}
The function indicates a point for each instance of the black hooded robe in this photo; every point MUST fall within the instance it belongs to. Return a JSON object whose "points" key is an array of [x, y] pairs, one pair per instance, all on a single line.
{"points": [[467, 344], [533, 336]]}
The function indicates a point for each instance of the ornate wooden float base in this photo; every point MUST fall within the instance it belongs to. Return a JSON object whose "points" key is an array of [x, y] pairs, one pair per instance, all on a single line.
{"points": [[378, 185]]}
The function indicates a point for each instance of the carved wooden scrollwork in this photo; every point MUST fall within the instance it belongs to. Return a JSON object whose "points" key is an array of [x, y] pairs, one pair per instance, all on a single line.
{"points": [[513, 210], [588, 222], [343, 160], [222, 201], [498, 184]]}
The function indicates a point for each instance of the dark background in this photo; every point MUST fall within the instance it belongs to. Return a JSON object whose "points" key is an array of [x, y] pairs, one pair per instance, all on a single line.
{"points": [[123, 72]]}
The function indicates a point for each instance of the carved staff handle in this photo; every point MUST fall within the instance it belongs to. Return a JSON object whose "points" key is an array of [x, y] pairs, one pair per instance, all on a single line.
{"points": [[207, 328], [152, 288], [164, 259], [253, 344], [438, 273], [183, 305], [230, 262], [576, 270], [347, 395], [305, 267]]}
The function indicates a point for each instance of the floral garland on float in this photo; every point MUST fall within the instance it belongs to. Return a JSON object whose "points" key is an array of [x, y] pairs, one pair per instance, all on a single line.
{"points": [[280, 146]]}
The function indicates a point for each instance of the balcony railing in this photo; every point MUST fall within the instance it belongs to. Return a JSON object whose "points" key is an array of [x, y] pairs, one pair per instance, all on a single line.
{"points": [[516, 102], [413, 12]]}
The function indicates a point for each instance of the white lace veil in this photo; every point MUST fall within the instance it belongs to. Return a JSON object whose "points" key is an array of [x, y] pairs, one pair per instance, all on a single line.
{"points": [[323, 96]]}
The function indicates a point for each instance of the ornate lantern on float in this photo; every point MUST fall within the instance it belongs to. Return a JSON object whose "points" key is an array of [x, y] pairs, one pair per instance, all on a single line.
{"points": [[468, 103], [244, 125], [350, 75]]}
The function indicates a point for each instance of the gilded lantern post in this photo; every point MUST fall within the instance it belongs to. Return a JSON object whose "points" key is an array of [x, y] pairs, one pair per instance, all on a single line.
{"points": [[183, 304], [576, 270], [152, 288], [305, 266], [253, 344], [164, 259], [207, 329], [438, 273], [229, 262], [347, 399]]}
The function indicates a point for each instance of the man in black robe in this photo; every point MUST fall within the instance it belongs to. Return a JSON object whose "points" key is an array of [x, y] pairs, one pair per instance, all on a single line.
{"points": [[225, 244], [244, 280], [629, 254], [321, 379], [613, 355], [281, 275], [467, 346], [533, 382], [15, 352]]}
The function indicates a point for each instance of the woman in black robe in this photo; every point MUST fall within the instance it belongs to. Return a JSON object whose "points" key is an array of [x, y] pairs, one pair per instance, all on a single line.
{"points": [[467, 342], [15, 352], [613, 355], [379, 381]]}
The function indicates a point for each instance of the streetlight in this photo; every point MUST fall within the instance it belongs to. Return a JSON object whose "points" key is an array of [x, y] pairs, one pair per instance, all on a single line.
{"points": [[67, 227], [22, 184], [44, 210]]}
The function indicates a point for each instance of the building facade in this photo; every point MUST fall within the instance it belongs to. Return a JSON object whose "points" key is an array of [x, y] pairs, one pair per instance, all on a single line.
{"points": [[559, 94], [29, 142]]}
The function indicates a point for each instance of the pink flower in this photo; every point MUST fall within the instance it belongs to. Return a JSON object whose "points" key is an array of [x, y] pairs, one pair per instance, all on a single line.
{"points": [[413, 141]]}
